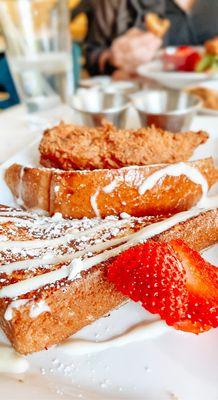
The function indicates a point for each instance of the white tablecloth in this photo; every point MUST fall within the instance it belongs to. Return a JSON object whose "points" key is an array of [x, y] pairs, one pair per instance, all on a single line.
{"points": [[18, 129], [15, 133]]}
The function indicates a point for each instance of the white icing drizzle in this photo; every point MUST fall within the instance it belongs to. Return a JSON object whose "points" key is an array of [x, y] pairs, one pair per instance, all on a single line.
{"points": [[111, 186], [37, 243], [25, 286], [175, 170], [125, 215], [3, 238], [11, 362], [135, 178], [75, 268], [18, 213], [36, 308], [14, 305], [148, 183], [209, 202], [57, 216], [93, 201], [34, 263], [20, 187], [50, 260], [39, 308], [14, 219], [143, 331], [41, 243]]}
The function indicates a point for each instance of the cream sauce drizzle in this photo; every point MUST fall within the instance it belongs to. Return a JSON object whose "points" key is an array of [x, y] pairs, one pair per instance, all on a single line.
{"points": [[11, 362], [20, 187], [36, 308], [176, 170], [39, 308], [179, 169], [25, 286], [140, 332], [93, 201], [111, 186], [69, 235], [43, 261], [209, 202], [14, 305]]}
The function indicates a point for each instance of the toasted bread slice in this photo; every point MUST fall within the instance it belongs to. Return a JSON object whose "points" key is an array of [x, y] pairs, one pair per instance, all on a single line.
{"points": [[43, 300], [78, 147], [135, 190]]}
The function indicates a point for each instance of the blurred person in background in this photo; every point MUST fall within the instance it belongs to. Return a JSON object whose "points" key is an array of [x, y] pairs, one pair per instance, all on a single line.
{"points": [[117, 41]]}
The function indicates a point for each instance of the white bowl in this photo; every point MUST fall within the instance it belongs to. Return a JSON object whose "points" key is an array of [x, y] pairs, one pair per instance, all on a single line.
{"points": [[172, 79]]}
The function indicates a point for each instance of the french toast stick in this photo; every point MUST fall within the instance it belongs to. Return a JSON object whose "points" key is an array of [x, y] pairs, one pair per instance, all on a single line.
{"points": [[55, 311], [78, 194]]}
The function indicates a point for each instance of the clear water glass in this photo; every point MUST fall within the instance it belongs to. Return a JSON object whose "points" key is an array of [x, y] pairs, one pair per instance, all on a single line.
{"points": [[38, 47]]}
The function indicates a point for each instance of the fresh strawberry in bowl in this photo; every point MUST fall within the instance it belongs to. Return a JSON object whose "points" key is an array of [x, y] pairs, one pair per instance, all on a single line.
{"points": [[182, 58], [171, 280]]}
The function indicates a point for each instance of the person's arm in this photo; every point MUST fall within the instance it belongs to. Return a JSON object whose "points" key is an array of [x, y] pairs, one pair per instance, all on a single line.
{"points": [[98, 58], [108, 26]]}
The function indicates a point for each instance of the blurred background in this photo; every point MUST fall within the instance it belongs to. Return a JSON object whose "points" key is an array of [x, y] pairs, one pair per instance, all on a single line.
{"points": [[50, 48], [78, 26]]}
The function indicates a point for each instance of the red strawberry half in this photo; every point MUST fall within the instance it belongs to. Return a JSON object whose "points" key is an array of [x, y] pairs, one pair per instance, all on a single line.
{"points": [[171, 280]]}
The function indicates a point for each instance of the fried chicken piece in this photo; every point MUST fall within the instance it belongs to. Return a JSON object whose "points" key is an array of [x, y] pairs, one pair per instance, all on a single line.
{"points": [[79, 147], [208, 96]]}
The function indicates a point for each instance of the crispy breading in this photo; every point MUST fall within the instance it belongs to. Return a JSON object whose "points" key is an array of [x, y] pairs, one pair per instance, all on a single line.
{"points": [[79, 147], [208, 96]]}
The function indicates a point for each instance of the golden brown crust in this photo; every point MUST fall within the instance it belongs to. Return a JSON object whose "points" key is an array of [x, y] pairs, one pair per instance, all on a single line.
{"points": [[75, 147], [78, 194], [209, 96], [80, 304], [204, 230], [92, 296], [158, 26], [31, 186]]}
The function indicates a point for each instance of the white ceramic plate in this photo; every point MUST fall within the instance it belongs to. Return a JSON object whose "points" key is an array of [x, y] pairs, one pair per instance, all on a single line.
{"points": [[213, 85], [170, 366], [172, 79]]}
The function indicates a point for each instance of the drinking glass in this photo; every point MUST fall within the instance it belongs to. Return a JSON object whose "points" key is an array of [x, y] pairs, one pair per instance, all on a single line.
{"points": [[38, 47]]}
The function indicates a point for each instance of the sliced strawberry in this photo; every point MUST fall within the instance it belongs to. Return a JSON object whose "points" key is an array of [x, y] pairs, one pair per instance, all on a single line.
{"points": [[171, 280], [184, 58], [190, 62], [201, 283]]}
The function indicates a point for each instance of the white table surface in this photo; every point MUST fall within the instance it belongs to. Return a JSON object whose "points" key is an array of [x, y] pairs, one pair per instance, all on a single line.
{"points": [[16, 134], [18, 129]]}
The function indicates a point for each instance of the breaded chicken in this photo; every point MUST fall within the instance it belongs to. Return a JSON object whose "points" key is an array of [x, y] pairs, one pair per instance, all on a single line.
{"points": [[79, 147]]}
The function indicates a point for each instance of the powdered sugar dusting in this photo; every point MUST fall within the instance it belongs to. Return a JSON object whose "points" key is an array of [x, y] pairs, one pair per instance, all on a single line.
{"points": [[40, 243], [50, 264]]}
